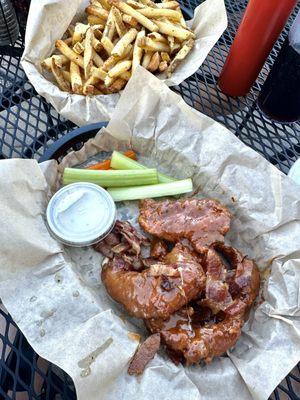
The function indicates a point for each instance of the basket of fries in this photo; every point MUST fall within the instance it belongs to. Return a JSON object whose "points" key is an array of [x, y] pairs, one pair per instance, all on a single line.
{"points": [[98, 57], [89, 51]]}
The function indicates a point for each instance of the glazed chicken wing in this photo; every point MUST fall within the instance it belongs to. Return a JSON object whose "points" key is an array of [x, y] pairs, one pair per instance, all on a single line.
{"points": [[192, 336], [194, 342], [159, 290], [202, 221]]}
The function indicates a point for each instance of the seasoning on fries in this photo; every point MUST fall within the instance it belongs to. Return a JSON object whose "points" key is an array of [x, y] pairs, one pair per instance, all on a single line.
{"points": [[99, 56]]}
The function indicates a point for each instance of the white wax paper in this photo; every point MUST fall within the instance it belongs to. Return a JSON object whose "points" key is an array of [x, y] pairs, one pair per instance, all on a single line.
{"points": [[49, 19], [55, 294]]}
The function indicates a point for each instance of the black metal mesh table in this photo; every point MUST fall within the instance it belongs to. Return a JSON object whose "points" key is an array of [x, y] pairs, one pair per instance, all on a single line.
{"points": [[28, 125]]}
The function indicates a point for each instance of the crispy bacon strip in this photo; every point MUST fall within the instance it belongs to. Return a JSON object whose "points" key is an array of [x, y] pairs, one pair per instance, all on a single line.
{"points": [[124, 238], [217, 296], [144, 354]]}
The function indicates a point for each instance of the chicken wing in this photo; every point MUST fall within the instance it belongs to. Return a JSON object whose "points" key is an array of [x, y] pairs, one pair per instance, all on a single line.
{"points": [[203, 221], [161, 289]]}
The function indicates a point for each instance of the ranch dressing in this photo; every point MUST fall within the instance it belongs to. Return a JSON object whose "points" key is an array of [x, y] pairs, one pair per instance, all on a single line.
{"points": [[81, 214]]}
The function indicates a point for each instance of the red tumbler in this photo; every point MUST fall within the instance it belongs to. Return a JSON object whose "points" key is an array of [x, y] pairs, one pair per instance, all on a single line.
{"points": [[261, 25]]}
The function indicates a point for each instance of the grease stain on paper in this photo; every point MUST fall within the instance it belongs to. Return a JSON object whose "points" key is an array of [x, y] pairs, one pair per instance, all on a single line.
{"points": [[58, 278], [47, 314], [42, 332], [134, 336], [85, 363]]}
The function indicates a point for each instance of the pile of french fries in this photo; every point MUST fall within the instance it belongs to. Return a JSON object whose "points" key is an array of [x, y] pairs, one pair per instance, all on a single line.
{"points": [[99, 57]]}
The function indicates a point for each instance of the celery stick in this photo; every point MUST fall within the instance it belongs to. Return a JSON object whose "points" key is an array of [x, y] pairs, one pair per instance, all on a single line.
{"points": [[111, 178], [144, 192], [119, 161]]}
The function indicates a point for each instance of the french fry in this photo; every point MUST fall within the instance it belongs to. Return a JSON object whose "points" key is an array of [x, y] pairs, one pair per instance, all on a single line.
{"points": [[88, 90], [119, 68], [130, 20], [97, 31], [105, 4], [126, 75], [102, 88], [78, 48], [163, 65], [76, 81], [93, 20], [112, 31], [121, 46], [158, 36], [88, 87], [88, 53], [120, 27], [97, 12], [172, 5], [182, 53], [147, 58], [165, 56], [99, 73], [137, 51], [112, 60], [173, 30], [96, 44], [109, 28], [60, 61], [154, 62], [66, 75], [97, 60], [108, 81], [182, 20], [179, 25], [148, 3], [149, 44], [66, 51], [161, 13], [125, 8], [107, 45], [176, 47], [59, 77], [79, 32], [117, 85], [135, 4], [171, 41]]}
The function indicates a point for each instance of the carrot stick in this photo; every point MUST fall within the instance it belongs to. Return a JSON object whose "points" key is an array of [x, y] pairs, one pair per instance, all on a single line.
{"points": [[106, 163], [100, 165]]}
